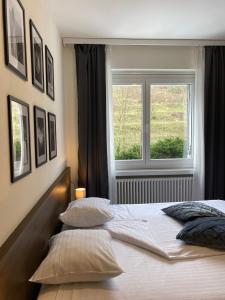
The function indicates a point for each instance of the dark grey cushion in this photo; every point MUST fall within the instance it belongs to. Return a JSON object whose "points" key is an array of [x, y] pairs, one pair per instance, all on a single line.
{"points": [[187, 211], [207, 232]]}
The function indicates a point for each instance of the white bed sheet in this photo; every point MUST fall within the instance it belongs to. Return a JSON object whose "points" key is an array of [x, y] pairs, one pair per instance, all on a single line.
{"points": [[148, 276]]}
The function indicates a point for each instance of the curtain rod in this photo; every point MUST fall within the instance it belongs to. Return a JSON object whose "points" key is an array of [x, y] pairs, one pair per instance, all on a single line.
{"points": [[143, 42]]}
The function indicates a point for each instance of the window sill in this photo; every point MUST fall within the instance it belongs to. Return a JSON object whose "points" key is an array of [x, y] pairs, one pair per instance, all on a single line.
{"points": [[154, 172]]}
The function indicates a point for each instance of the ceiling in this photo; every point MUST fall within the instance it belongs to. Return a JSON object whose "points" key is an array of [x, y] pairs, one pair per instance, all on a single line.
{"points": [[140, 19]]}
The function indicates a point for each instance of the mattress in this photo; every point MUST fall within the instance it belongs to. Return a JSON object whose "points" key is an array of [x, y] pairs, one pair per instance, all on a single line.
{"points": [[148, 276]]}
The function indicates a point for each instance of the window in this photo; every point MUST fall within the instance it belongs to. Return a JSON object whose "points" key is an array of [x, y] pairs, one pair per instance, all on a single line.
{"points": [[152, 115], [127, 101]]}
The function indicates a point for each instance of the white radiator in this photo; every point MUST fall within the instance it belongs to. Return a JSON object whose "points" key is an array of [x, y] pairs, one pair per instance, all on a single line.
{"points": [[154, 189]]}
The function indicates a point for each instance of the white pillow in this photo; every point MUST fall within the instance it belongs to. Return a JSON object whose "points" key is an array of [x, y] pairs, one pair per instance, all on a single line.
{"points": [[91, 201], [87, 212], [78, 256]]}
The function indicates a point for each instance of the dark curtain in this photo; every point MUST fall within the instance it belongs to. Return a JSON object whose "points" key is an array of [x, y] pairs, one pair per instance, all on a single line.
{"points": [[92, 153], [215, 122]]}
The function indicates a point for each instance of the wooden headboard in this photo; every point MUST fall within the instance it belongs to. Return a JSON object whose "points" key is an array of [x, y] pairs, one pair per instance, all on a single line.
{"points": [[23, 251]]}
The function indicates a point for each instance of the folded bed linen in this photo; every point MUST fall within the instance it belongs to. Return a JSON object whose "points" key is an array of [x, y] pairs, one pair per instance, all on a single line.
{"points": [[158, 235], [152, 230]]}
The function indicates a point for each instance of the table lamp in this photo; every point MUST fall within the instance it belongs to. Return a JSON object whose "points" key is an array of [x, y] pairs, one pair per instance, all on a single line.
{"points": [[80, 193]]}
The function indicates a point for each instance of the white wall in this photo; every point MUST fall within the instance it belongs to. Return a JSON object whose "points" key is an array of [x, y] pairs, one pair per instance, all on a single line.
{"points": [[71, 111], [18, 198], [152, 57]]}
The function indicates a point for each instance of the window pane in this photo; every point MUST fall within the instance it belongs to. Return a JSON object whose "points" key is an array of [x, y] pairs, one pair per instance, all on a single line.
{"points": [[169, 128], [127, 118]]}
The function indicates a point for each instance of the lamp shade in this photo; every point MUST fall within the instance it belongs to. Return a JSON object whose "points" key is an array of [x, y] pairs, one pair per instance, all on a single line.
{"points": [[80, 193]]}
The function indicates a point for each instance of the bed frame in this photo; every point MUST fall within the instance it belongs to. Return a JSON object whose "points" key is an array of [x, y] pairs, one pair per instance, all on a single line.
{"points": [[23, 251]]}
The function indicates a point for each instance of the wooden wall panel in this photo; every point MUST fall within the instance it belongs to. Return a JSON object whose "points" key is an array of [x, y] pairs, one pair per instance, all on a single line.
{"points": [[23, 251]]}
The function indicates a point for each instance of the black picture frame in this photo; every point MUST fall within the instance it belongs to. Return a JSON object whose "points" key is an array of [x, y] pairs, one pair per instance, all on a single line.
{"points": [[49, 68], [19, 138], [37, 60], [15, 37], [40, 136], [52, 136]]}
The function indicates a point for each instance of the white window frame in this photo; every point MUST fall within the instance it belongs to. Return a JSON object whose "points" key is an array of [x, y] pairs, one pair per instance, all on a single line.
{"points": [[146, 78]]}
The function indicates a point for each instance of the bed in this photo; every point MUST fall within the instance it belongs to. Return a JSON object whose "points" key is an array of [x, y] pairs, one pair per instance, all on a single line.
{"points": [[146, 276]]}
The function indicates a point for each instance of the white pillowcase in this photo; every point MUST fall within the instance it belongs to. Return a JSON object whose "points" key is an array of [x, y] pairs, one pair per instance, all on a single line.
{"points": [[87, 212], [91, 201], [78, 256]]}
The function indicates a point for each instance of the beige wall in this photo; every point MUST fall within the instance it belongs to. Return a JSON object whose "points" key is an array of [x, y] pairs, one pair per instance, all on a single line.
{"points": [[17, 199], [71, 111], [152, 57]]}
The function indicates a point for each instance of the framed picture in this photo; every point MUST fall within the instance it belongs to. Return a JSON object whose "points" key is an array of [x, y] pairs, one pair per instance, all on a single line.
{"points": [[49, 65], [52, 136], [36, 58], [15, 37], [40, 136], [19, 137]]}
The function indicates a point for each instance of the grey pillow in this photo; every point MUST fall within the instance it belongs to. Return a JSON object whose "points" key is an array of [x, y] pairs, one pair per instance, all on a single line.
{"points": [[187, 211], [206, 232]]}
